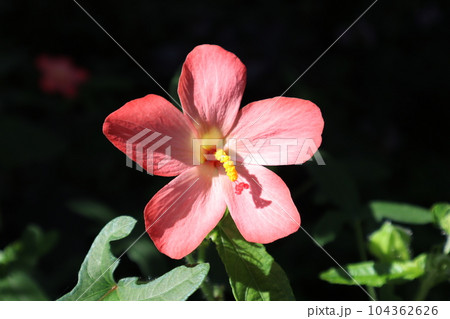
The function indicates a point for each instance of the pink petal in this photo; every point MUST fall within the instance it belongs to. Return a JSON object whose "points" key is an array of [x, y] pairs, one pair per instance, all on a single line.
{"points": [[157, 134], [211, 85], [182, 213], [265, 212], [278, 131]]}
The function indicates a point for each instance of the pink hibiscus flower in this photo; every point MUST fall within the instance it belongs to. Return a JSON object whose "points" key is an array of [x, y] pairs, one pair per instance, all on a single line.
{"points": [[60, 75], [216, 152]]}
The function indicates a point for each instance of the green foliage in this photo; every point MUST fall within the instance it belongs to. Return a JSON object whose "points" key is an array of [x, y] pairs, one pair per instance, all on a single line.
{"points": [[92, 210], [142, 252], [328, 227], [441, 216], [438, 266], [173, 89], [437, 271], [253, 273], [390, 243], [96, 280], [18, 259], [400, 212], [146, 256], [24, 253], [19, 286], [335, 184], [376, 274], [391, 246]]}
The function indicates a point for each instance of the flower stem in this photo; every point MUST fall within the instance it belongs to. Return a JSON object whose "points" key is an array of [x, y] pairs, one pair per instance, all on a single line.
{"points": [[362, 252], [205, 287], [425, 285]]}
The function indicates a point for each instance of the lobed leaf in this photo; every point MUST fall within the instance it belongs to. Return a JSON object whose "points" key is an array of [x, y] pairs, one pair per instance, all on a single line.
{"points": [[96, 280]]}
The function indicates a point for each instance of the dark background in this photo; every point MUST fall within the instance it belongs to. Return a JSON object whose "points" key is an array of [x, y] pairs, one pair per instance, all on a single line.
{"points": [[382, 88]]}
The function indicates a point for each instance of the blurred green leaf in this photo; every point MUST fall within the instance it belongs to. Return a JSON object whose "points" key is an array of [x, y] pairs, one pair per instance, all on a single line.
{"points": [[335, 184], [400, 212], [387, 292], [173, 89], [438, 267], [18, 286], [437, 271], [390, 243], [253, 273], [376, 274], [441, 216], [96, 280], [329, 226], [25, 252], [92, 210], [146, 256]]}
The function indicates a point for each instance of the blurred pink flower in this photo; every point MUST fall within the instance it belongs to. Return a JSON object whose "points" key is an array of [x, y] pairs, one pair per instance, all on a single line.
{"points": [[183, 212], [60, 75]]}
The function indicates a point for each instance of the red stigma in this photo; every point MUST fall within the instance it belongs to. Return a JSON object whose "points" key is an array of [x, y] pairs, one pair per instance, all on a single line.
{"points": [[240, 187]]}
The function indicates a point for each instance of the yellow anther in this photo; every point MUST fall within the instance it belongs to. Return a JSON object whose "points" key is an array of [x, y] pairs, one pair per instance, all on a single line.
{"points": [[228, 164], [219, 153]]}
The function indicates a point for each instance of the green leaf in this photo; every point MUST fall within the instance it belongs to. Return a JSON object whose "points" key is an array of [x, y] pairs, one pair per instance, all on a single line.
{"points": [[437, 271], [438, 267], [390, 243], [335, 184], [96, 280], [441, 216], [177, 284], [253, 273], [92, 210], [173, 88], [18, 286], [147, 257], [376, 274], [400, 212], [329, 226]]}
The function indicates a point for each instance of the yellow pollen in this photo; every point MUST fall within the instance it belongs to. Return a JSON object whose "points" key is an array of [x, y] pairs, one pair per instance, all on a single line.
{"points": [[228, 164]]}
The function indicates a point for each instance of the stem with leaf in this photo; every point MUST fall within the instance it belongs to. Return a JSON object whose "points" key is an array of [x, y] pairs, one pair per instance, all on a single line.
{"points": [[362, 252], [205, 287]]}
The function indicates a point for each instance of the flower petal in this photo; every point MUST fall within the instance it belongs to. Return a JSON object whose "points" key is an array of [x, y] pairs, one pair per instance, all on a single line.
{"points": [[211, 85], [265, 212], [153, 133], [182, 213], [277, 131]]}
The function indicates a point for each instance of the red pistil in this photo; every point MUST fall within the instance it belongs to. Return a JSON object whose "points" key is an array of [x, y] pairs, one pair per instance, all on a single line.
{"points": [[240, 187]]}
